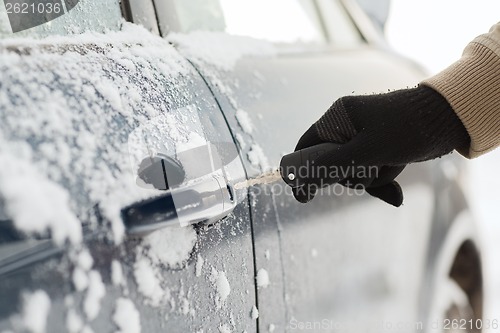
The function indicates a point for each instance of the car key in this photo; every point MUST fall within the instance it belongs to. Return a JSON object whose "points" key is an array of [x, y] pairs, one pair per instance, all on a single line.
{"points": [[293, 167]]}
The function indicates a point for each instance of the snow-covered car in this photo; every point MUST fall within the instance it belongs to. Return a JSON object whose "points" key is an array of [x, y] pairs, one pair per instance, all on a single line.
{"points": [[127, 131]]}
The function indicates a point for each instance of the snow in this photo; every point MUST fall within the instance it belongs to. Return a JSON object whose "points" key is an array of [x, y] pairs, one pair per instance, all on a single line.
{"points": [[126, 316], [168, 134], [117, 273], [110, 94], [271, 328], [254, 313], [222, 287], [85, 260], [199, 265], [314, 253], [95, 292], [80, 279], [244, 121], [61, 153], [74, 322], [148, 282], [36, 307], [193, 140], [224, 328], [87, 329], [34, 203], [219, 49], [185, 307], [257, 157], [241, 141], [262, 278], [170, 246], [83, 263]]}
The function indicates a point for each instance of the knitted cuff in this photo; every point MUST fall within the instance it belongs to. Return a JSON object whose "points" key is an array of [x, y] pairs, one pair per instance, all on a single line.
{"points": [[471, 86], [435, 117]]}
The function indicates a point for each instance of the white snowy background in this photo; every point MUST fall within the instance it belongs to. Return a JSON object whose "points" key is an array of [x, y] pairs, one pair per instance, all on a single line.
{"points": [[434, 33]]}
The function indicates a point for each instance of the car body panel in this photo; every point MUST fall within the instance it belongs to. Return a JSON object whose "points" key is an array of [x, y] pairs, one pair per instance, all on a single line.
{"points": [[146, 82], [283, 95]]}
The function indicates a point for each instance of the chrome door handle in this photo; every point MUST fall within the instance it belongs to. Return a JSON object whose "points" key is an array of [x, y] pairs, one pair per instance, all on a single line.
{"points": [[207, 199]]}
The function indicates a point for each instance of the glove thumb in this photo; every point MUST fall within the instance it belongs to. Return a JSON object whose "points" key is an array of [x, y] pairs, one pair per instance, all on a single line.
{"points": [[305, 193], [390, 193]]}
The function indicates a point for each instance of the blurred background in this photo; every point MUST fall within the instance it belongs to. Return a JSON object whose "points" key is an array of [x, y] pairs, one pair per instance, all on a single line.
{"points": [[434, 33]]}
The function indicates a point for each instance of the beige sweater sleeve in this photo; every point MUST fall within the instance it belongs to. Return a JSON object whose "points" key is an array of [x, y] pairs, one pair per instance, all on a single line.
{"points": [[472, 87]]}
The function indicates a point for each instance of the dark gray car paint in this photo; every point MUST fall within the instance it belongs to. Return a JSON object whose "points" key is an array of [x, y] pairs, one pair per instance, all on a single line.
{"points": [[283, 96], [226, 247]]}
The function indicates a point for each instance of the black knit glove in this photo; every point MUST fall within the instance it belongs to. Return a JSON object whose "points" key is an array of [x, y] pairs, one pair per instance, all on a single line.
{"points": [[384, 133]]}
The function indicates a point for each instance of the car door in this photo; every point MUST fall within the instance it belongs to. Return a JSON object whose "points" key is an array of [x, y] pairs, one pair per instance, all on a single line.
{"points": [[344, 258], [103, 137]]}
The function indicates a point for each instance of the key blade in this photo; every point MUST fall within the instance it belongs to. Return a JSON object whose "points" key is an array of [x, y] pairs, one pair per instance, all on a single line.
{"points": [[266, 178]]}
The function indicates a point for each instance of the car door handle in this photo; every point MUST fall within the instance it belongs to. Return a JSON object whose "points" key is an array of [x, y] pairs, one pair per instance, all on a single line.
{"points": [[207, 199]]}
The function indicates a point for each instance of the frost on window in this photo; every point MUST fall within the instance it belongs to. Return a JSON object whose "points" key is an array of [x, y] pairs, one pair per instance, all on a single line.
{"points": [[64, 17]]}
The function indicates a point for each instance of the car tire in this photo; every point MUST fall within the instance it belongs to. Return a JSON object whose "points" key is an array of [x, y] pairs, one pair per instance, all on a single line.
{"points": [[456, 304]]}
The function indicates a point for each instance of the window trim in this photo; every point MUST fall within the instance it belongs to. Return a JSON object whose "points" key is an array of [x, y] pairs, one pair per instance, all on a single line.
{"points": [[321, 20], [142, 12], [171, 24], [363, 24]]}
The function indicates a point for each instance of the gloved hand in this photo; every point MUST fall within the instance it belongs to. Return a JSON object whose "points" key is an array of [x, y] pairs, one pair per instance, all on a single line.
{"points": [[386, 132]]}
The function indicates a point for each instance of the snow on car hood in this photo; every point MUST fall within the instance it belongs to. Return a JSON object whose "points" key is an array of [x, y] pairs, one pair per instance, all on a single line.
{"points": [[67, 107]]}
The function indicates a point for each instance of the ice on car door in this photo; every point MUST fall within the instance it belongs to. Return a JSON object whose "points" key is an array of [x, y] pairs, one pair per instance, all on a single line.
{"points": [[182, 279], [190, 152], [171, 153]]}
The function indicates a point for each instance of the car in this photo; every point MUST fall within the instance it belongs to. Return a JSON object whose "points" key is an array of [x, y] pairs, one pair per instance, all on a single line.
{"points": [[128, 131]]}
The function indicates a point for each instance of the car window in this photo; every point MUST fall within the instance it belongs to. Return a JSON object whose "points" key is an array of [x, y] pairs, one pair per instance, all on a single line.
{"points": [[341, 29], [280, 21], [86, 15]]}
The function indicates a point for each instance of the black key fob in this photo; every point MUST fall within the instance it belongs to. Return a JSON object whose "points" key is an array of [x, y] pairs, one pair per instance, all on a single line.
{"points": [[296, 167]]}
